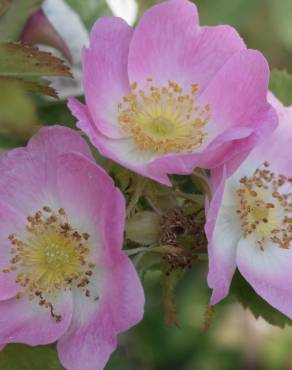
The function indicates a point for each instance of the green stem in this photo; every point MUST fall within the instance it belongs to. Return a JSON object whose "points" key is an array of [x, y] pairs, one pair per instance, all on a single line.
{"points": [[196, 198], [159, 249], [201, 174]]}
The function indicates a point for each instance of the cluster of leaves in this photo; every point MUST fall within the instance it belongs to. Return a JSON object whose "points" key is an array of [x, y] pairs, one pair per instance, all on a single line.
{"points": [[22, 72]]}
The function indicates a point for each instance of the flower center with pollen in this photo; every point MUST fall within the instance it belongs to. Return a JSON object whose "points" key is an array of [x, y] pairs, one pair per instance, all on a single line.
{"points": [[164, 119], [52, 257], [265, 207]]}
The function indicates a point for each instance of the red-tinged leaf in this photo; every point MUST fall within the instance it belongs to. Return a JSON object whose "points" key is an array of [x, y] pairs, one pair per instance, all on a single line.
{"points": [[28, 65]]}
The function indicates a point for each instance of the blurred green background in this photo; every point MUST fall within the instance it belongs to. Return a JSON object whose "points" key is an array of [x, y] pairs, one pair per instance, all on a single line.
{"points": [[235, 339]]}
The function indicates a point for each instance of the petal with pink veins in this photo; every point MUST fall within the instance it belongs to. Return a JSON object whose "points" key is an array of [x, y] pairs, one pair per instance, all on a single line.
{"points": [[268, 272], [25, 321], [223, 233], [116, 296], [11, 222], [105, 73], [28, 175], [168, 44]]}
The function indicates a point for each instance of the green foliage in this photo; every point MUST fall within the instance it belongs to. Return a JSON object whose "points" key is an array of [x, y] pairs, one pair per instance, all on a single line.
{"points": [[17, 110], [281, 17], [91, 12], [21, 357], [4, 5], [281, 85], [28, 65], [21, 71], [233, 12], [258, 306], [14, 16]]}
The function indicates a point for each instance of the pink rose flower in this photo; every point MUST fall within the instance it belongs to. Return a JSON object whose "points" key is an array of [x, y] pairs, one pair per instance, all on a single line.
{"points": [[249, 221], [171, 95], [63, 274]]}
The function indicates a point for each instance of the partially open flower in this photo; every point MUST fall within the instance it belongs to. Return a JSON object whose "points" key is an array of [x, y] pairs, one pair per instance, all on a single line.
{"points": [[172, 95], [63, 275], [249, 221]]}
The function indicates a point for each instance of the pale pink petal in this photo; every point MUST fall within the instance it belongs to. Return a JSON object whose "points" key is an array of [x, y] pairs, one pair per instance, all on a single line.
{"points": [[268, 272], [277, 104], [105, 73], [94, 204], [223, 233], [26, 322], [28, 175], [276, 149], [122, 151], [168, 44], [116, 295], [217, 153], [238, 93], [11, 222], [95, 324]]}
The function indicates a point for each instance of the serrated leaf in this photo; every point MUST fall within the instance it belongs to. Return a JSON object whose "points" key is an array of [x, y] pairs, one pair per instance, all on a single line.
{"points": [[28, 65], [21, 357], [15, 16], [27, 61], [257, 305], [169, 284], [281, 85], [41, 87]]}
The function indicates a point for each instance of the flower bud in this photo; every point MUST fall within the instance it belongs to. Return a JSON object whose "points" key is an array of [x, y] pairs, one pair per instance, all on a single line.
{"points": [[144, 227]]}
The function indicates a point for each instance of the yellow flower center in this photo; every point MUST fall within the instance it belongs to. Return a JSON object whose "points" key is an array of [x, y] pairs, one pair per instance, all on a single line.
{"points": [[53, 256], [164, 119], [265, 207]]}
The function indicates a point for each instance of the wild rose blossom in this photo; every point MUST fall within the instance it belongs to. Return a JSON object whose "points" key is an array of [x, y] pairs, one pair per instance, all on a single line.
{"points": [[249, 221], [171, 95], [63, 275]]}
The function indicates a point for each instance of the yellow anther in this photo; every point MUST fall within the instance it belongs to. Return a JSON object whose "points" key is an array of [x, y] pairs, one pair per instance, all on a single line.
{"points": [[164, 119]]}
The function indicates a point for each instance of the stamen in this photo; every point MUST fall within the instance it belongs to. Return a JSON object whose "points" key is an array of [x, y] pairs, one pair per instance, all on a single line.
{"points": [[164, 119], [53, 256], [265, 207]]}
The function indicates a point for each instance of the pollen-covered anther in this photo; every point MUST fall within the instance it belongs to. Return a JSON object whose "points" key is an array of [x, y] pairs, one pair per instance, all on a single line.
{"points": [[164, 119], [265, 207], [52, 256]]}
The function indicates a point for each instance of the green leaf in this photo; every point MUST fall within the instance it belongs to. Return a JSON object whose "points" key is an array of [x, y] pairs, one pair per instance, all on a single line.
{"points": [[29, 62], [281, 85], [28, 65], [15, 17], [17, 110], [21, 357], [258, 306]]}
